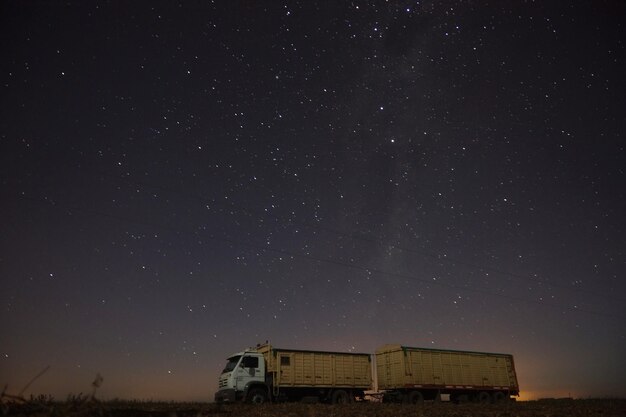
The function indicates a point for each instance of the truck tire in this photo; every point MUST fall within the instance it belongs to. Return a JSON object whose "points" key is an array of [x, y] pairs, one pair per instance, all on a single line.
{"points": [[499, 397], [415, 397], [459, 398], [256, 396], [340, 397], [483, 397]]}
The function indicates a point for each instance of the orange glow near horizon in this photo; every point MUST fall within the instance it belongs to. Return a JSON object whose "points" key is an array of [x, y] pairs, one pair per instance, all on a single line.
{"points": [[536, 395]]}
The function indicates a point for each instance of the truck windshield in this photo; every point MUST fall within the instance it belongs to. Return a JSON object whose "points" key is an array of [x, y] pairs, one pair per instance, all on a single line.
{"points": [[232, 362]]}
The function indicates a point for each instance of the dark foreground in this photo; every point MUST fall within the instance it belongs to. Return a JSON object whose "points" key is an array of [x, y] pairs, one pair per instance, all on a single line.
{"points": [[552, 408]]}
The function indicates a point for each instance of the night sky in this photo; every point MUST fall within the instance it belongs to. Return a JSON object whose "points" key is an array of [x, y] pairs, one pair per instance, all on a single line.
{"points": [[179, 181]]}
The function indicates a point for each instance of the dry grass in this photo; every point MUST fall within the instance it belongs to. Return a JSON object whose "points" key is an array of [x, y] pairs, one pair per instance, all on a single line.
{"points": [[77, 407]]}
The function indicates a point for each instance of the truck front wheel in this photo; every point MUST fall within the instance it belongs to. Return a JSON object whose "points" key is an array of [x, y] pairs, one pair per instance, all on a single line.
{"points": [[257, 396]]}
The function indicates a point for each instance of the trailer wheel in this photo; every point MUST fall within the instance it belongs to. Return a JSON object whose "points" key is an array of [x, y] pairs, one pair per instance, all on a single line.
{"points": [[483, 397], [498, 397], [459, 398], [257, 396], [340, 397], [416, 397]]}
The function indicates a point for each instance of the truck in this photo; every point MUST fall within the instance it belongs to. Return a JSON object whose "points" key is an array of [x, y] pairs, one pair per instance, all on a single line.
{"points": [[265, 373], [412, 375], [403, 374]]}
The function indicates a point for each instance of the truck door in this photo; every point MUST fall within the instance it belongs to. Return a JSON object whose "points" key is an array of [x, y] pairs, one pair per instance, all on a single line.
{"points": [[247, 371], [285, 369]]}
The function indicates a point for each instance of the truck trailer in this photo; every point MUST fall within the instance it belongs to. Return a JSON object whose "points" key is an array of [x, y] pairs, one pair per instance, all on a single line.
{"points": [[404, 374], [412, 375], [268, 373]]}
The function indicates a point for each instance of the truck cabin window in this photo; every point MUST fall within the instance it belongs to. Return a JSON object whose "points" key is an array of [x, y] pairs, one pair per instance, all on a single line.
{"points": [[232, 363], [250, 362]]}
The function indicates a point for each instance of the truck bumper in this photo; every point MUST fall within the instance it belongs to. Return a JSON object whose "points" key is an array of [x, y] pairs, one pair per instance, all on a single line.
{"points": [[225, 396]]}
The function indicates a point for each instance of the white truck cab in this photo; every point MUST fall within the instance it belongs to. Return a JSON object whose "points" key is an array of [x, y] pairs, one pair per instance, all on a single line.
{"points": [[243, 378]]}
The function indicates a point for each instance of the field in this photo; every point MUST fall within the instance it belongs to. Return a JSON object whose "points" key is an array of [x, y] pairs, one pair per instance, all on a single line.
{"points": [[543, 408]]}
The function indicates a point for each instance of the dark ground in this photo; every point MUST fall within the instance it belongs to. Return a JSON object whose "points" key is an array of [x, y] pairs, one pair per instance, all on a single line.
{"points": [[542, 408]]}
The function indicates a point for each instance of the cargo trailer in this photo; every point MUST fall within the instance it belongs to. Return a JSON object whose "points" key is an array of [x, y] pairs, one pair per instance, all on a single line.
{"points": [[408, 374]]}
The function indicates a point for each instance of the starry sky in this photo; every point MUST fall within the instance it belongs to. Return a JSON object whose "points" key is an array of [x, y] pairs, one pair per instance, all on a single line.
{"points": [[179, 181]]}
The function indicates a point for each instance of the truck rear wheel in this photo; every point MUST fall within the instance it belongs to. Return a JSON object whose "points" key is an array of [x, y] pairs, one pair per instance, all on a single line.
{"points": [[257, 396], [415, 397], [340, 397]]}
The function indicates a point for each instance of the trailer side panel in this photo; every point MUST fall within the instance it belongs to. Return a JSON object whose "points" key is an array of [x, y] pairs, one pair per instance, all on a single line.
{"points": [[403, 367], [296, 368]]}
